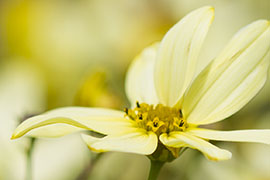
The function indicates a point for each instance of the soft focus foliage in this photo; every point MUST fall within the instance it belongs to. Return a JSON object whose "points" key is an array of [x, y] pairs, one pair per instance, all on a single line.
{"points": [[53, 52]]}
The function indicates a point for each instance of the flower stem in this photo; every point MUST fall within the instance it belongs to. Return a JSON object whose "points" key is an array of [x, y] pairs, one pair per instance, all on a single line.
{"points": [[86, 173], [155, 169], [29, 159]]}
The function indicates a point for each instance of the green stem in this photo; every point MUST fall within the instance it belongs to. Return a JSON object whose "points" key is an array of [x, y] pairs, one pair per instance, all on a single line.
{"points": [[86, 173], [155, 169], [29, 159]]}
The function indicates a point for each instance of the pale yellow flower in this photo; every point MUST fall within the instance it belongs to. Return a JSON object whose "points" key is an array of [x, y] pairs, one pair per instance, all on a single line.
{"points": [[168, 102]]}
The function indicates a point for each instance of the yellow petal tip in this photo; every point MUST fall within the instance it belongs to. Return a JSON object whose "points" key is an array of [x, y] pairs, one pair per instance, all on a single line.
{"points": [[211, 8], [16, 135], [207, 9], [264, 21], [13, 137]]}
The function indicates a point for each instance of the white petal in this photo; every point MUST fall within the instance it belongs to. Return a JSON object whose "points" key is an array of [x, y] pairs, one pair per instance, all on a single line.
{"points": [[140, 77], [138, 141], [256, 136], [52, 131], [178, 55], [181, 139], [62, 121], [232, 79]]}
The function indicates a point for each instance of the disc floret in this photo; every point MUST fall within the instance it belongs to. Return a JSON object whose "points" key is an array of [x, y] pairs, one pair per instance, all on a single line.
{"points": [[159, 119]]}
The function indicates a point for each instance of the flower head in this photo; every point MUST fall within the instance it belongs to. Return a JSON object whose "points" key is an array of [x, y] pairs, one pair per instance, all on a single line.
{"points": [[169, 101]]}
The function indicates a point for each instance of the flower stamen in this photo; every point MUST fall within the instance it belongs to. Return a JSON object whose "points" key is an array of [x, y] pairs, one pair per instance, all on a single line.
{"points": [[158, 119]]}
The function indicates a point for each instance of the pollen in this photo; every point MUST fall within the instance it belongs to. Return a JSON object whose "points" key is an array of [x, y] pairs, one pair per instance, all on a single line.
{"points": [[158, 119]]}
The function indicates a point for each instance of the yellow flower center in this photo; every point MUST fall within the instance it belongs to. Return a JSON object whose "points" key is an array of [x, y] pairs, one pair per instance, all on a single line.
{"points": [[159, 118]]}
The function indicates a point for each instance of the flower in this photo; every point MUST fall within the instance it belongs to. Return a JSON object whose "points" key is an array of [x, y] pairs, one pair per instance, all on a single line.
{"points": [[169, 101]]}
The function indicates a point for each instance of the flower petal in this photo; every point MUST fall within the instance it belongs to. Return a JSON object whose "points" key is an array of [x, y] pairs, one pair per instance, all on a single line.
{"points": [[138, 141], [67, 120], [232, 79], [257, 136], [181, 139], [178, 55], [140, 77]]}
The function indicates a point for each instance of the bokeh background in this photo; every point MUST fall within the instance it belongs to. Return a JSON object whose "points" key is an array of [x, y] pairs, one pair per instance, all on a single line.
{"points": [[56, 53]]}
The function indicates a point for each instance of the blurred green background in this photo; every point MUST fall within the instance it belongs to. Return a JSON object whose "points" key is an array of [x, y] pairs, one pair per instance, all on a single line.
{"points": [[56, 53]]}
